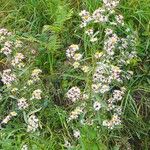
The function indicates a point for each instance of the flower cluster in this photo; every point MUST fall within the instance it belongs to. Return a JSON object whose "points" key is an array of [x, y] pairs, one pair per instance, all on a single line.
{"points": [[67, 144], [86, 18], [18, 60], [36, 94], [24, 147], [104, 75], [92, 35], [76, 134], [20, 77], [22, 103], [75, 113], [4, 32], [110, 4], [110, 42], [99, 15], [8, 77], [102, 14], [35, 74], [7, 45], [8, 117], [97, 105], [74, 94], [108, 68], [73, 55], [75, 58], [115, 120], [70, 52], [33, 123], [7, 49]]}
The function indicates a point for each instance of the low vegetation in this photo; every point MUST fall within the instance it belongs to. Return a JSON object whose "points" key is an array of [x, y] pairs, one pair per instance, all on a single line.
{"points": [[74, 74]]}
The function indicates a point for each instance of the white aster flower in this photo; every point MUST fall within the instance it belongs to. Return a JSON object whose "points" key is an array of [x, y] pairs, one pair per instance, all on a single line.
{"points": [[104, 88], [97, 106], [116, 119], [37, 94], [76, 65], [77, 56], [89, 32], [76, 134], [96, 87], [24, 147], [98, 55], [67, 144], [30, 82], [93, 39], [85, 69]]}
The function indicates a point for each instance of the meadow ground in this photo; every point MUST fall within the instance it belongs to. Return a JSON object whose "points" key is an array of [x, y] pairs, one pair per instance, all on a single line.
{"points": [[47, 28]]}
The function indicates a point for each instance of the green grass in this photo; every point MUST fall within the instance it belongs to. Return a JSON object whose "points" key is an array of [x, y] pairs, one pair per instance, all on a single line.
{"points": [[50, 26]]}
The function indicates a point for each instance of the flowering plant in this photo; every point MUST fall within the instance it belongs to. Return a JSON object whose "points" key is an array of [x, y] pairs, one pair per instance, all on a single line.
{"points": [[110, 48], [74, 75], [21, 80]]}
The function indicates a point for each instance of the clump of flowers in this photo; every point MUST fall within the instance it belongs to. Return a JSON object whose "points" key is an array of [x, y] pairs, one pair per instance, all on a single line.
{"points": [[22, 103], [8, 77], [21, 79], [74, 94], [76, 134], [33, 123], [24, 147], [18, 60], [107, 67], [86, 18], [97, 106], [8, 117], [67, 144], [36, 94], [73, 55], [35, 74], [70, 52], [7, 45], [110, 5], [75, 113]]}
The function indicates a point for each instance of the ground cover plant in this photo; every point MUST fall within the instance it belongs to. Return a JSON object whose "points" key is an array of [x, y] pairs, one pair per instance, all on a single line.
{"points": [[74, 74]]}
